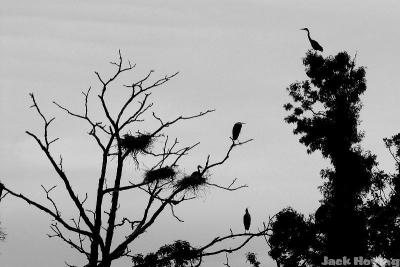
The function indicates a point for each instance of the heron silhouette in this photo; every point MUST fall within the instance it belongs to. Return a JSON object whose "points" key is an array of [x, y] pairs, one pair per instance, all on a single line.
{"points": [[314, 44], [197, 174], [236, 130], [246, 220]]}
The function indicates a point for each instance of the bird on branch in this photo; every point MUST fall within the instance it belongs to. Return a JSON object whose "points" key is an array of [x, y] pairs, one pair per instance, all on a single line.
{"points": [[314, 44], [246, 220], [236, 130]]}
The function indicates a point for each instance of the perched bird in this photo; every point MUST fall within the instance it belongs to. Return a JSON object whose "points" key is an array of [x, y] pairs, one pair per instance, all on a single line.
{"points": [[314, 44], [236, 130], [197, 174], [246, 220]]}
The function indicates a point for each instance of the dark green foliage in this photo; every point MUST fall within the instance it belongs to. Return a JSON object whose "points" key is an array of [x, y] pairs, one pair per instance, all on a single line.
{"points": [[159, 174], [178, 254]]}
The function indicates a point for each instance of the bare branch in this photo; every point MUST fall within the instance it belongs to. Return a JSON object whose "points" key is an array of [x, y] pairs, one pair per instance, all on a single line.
{"points": [[50, 199], [62, 175], [169, 123], [173, 213], [55, 216], [124, 220], [46, 122], [123, 188], [209, 166], [227, 260], [59, 234], [248, 237], [229, 188]]}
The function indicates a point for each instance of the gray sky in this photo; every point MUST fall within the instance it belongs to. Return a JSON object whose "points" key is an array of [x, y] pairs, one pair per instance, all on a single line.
{"points": [[235, 56]]}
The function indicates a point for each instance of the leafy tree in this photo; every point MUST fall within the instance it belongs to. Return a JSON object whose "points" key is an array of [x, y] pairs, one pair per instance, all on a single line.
{"points": [[164, 184], [292, 238], [383, 208], [178, 254], [325, 111]]}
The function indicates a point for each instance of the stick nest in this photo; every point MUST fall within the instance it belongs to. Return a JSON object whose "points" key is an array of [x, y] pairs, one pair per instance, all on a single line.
{"points": [[193, 182], [159, 174], [136, 144]]}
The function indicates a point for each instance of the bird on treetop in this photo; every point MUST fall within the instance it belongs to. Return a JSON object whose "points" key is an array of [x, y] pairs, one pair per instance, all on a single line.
{"points": [[314, 44], [246, 220], [236, 130]]}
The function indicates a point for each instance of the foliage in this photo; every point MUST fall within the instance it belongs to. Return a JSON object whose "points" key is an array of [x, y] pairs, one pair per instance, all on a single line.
{"points": [[252, 259], [178, 254], [383, 208], [293, 238], [325, 112]]}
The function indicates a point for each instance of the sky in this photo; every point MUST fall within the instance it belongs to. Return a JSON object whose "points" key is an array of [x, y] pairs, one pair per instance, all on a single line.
{"points": [[234, 56]]}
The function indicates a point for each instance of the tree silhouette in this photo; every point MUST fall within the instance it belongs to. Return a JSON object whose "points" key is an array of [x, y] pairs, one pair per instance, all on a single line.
{"points": [[325, 111], [252, 259], [292, 239], [383, 209], [93, 233], [178, 254]]}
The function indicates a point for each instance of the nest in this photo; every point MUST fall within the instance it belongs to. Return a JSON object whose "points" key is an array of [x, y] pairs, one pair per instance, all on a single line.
{"points": [[159, 174], [136, 144], [192, 182]]}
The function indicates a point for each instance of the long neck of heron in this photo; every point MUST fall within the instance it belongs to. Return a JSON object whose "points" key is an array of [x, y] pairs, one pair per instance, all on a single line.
{"points": [[308, 34]]}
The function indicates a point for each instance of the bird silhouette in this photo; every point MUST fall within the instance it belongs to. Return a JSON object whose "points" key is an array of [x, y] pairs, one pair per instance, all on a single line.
{"points": [[246, 220], [314, 44], [236, 130], [197, 174]]}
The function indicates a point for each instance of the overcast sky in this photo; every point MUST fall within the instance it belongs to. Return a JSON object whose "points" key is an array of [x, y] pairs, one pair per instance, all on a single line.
{"points": [[235, 56]]}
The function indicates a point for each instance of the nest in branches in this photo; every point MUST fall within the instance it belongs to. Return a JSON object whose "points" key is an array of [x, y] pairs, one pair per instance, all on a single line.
{"points": [[159, 174], [136, 144], [193, 182]]}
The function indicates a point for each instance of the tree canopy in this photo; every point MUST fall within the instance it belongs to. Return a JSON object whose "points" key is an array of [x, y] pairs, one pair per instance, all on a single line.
{"points": [[325, 110]]}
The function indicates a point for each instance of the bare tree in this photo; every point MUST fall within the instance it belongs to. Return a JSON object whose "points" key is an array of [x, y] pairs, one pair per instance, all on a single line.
{"points": [[92, 232]]}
